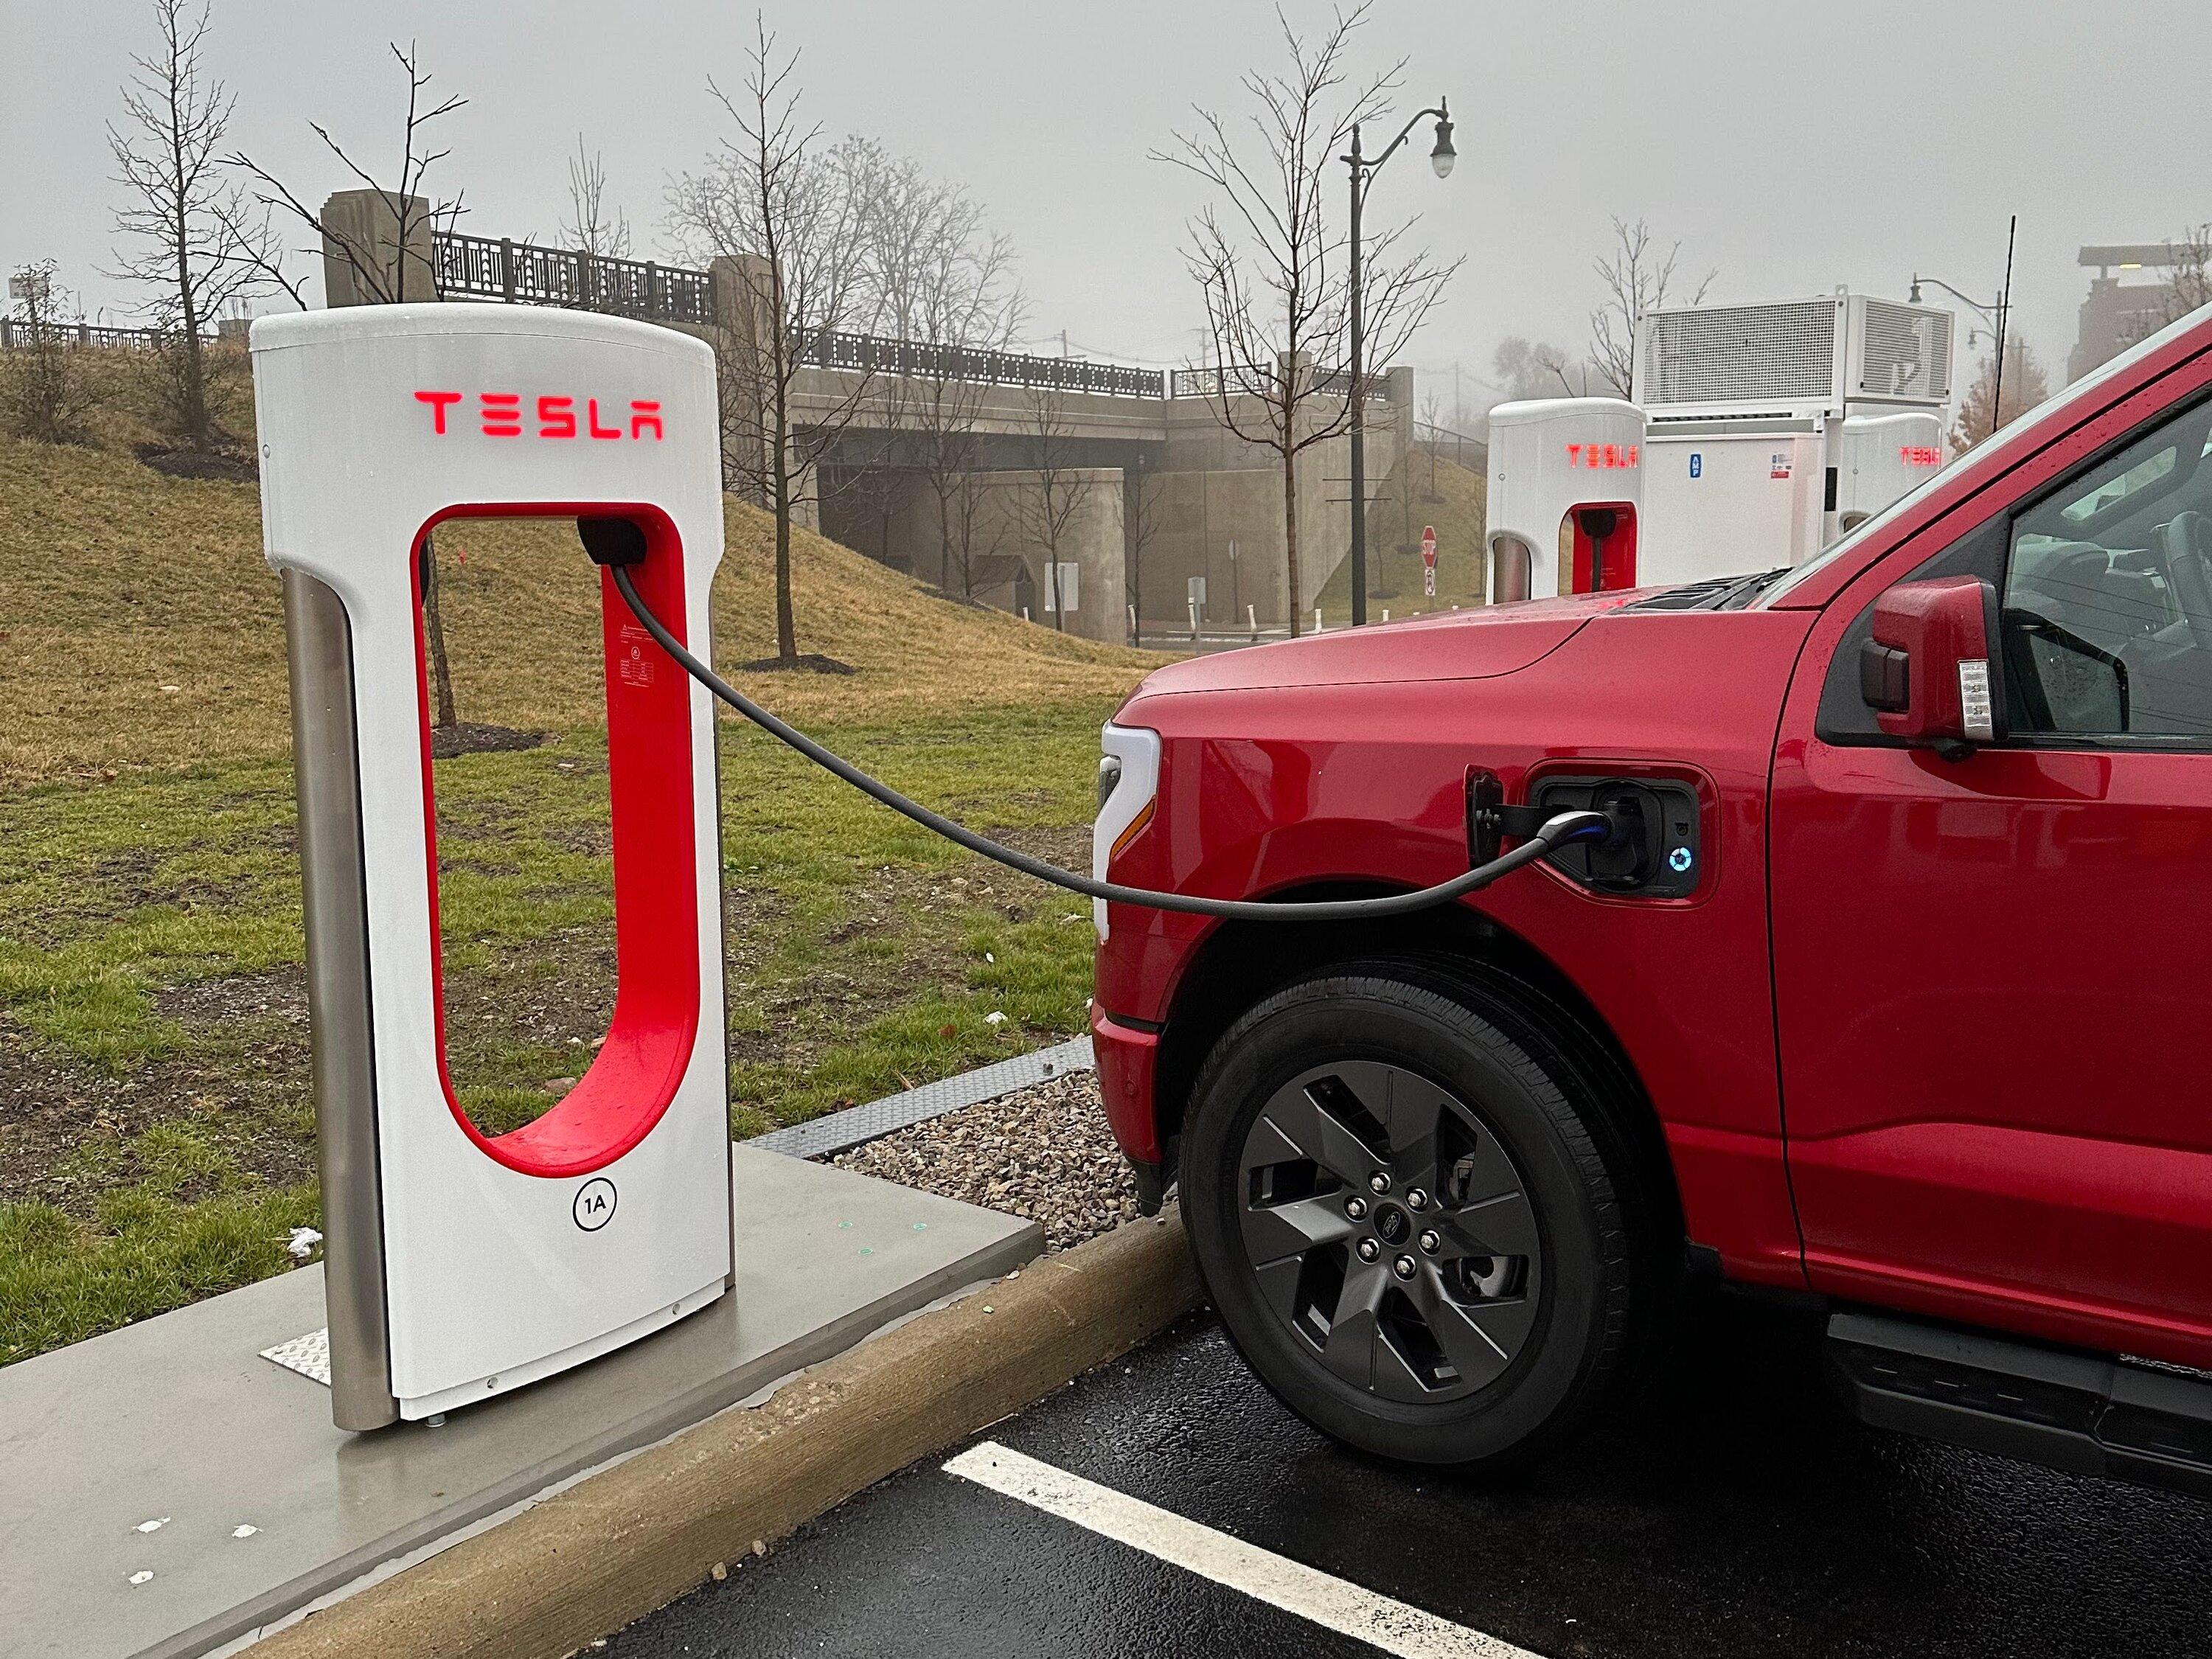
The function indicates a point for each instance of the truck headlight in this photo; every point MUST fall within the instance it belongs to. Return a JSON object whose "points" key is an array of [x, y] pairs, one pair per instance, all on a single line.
{"points": [[1128, 780]]}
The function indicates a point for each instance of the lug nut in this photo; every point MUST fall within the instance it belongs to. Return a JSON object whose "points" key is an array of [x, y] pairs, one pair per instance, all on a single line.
{"points": [[1431, 1242], [1378, 1183], [1356, 1209], [1416, 1199], [1403, 1266], [1369, 1249]]}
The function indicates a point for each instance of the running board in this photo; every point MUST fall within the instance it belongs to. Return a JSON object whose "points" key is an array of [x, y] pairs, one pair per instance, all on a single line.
{"points": [[2124, 1419]]}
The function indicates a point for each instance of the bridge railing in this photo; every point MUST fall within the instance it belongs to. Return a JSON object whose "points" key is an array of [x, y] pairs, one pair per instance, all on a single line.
{"points": [[20, 336], [521, 273], [876, 354], [1329, 382]]}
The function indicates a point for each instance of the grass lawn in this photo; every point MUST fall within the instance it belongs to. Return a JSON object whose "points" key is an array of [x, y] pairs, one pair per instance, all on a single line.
{"points": [[1421, 490], [156, 1124]]}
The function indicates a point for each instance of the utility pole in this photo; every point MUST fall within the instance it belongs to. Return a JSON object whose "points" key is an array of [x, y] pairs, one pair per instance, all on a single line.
{"points": [[2004, 309]]}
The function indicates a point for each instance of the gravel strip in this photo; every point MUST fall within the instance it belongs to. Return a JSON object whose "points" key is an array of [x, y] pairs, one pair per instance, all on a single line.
{"points": [[1043, 1153]]}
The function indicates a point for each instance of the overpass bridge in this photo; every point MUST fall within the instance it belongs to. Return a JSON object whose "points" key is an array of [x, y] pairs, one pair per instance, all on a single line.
{"points": [[1178, 515]]}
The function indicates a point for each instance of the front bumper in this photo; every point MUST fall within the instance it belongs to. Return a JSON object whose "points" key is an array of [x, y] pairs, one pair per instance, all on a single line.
{"points": [[1127, 1060]]}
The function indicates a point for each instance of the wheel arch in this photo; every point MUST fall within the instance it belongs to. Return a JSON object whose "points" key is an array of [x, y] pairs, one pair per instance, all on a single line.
{"points": [[1453, 948]]}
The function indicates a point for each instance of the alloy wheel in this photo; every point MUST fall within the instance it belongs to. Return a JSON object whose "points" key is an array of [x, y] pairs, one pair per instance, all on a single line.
{"points": [[1390, 1228]]}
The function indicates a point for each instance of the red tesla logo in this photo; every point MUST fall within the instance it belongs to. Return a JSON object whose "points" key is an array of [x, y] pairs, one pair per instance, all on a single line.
{"points": [[502, 414], [1606, 456]]}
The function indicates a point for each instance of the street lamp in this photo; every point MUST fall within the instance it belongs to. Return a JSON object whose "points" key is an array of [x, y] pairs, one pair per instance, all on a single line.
{"points": [[1364, 169], [1995, 315], [1987, 310]]}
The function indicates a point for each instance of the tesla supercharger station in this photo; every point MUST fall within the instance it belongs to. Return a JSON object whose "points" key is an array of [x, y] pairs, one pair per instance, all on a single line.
{"points": [[460, 1265], [1880, 458], [1567, 496]]}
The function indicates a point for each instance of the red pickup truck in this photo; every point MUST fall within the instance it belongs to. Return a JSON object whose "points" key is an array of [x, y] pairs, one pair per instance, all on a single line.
{"points": [[1892, 987]]}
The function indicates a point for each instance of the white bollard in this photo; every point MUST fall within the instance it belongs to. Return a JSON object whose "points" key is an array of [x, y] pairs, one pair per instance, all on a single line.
{"points": [[1386, 613], [1193, 604], [1252, 620], [1317, 619]]}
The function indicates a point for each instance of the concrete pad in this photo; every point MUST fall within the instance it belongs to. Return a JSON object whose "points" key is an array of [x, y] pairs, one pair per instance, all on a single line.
{"points": [[180, 1420]]}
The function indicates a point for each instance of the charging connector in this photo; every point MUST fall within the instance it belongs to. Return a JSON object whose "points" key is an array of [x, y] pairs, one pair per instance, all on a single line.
{"points": [[616, 543], [1652, 844]]}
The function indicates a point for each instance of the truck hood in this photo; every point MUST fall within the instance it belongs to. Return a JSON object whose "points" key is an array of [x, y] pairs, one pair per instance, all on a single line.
{"points": [[1453, 645]]}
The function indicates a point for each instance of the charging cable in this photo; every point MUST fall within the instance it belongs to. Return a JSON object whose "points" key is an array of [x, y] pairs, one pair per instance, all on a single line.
{"points": [[608, 544]]}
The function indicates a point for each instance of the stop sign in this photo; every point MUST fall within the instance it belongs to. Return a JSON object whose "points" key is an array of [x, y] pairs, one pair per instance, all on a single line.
{"points": [[1429, 545]]}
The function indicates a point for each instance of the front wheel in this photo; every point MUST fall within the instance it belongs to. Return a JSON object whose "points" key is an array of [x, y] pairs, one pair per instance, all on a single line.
{"points": [[1406, 1222]]}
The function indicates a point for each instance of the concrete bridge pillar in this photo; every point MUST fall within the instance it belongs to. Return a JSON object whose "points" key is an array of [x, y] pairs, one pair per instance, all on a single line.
{"points": [[746, 324], [1400, 380], [363, 264]]}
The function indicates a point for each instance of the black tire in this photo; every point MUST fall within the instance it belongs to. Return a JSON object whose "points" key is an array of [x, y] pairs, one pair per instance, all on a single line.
{"points": [[1544, 1274]]}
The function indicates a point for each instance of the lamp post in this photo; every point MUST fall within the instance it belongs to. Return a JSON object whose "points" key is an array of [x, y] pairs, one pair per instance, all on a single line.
{"points": [[1363, 169]]}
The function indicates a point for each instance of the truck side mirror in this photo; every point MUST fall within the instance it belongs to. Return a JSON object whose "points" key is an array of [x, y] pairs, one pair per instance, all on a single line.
{"points": [[1931, 669]]}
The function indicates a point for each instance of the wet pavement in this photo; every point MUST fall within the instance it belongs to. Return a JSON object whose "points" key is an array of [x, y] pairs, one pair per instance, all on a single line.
{"points": [[1733, 1510]]}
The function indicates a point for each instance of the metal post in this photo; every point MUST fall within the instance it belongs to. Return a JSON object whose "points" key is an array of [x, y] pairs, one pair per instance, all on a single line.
{"points": [[506, 269], [2004, 306], [1359, 413], [325, 759]]}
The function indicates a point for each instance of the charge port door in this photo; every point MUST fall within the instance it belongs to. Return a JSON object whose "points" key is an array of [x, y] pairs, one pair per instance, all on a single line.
{"points": [[1653, 852]]}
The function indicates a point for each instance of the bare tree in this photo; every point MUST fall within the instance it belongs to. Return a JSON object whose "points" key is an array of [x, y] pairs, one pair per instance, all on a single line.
{"points": [[1062, 489], [593, 225], [381, 276], [197, 243], [378, 267], [47, 398], [1144, 492], [1531, 369], [1271, 271], [1638, 278], [2024, 386], [259, 246], [979, 523], [948, 298], [1432, 407], [794, 220]]}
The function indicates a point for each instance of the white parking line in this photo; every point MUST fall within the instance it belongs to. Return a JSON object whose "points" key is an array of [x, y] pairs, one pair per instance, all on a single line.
{"points": [[1333, 1602]]}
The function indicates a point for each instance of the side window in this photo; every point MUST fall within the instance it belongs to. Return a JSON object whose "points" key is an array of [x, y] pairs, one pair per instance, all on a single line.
{"points": [[2107, 609]]}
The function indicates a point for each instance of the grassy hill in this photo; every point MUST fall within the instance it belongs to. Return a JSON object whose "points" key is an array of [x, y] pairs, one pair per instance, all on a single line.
{"points": [[156, 1120], [116, 581], [1416, 493]]}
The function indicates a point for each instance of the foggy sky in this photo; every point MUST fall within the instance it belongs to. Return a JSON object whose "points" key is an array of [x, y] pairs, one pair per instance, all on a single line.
{"points": [[1793, 148]]}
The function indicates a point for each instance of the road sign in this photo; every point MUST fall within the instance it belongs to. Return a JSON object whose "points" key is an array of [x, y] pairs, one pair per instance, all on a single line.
{"points": [[1429, 545]]}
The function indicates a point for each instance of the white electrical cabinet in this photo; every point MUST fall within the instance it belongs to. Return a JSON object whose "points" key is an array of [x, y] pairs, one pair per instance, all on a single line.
{"points": [[1761, 433]]}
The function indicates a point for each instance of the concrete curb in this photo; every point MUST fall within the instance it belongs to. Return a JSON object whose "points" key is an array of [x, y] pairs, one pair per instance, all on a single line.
{"points": [[612, 1549]]}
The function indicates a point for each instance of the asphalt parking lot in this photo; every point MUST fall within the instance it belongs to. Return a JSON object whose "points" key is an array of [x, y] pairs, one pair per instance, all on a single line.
{"points": [[1734, 1511]]}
